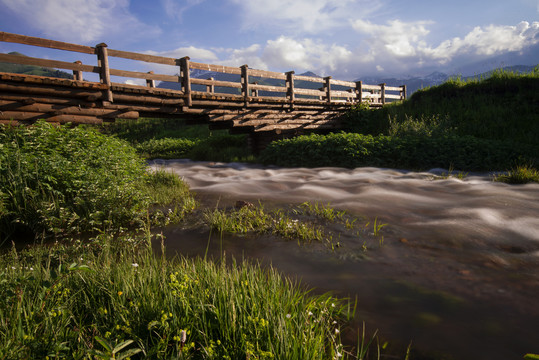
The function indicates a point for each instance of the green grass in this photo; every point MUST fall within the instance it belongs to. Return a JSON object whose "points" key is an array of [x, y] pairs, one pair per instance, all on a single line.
{"points": [[60, 181], [173, 138], [104, 294], [501, 107], [464, 153], [522, 174]]}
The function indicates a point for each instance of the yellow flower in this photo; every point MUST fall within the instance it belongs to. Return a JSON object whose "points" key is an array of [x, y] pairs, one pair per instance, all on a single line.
{"points": [[120, 293]]}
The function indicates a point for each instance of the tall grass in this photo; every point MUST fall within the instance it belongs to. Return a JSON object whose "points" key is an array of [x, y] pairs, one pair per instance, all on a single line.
{"points": [[93, 298], [60, 181]]}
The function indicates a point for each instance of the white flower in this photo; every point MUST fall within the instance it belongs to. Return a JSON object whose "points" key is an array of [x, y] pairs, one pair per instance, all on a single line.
{"points": [[134, 265], [288, 316], [13, 268], [310, 313], [337, 331], [332, 305], [334, 322]]}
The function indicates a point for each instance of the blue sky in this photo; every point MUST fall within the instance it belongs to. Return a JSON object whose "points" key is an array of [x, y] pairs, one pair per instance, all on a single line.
{"points": [[343, 38]]}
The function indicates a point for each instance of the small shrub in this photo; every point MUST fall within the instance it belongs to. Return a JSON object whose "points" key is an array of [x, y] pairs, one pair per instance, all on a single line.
{"points": [[58, 180], [522, 174]]}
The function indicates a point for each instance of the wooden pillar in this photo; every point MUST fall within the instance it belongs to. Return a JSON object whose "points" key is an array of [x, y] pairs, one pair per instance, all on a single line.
{"points": [[254, 92], [290, 88], [403, 92], [328, 88], [77, 74], [359, 91], [150, 82], [383, 93], [245, 83], [186, 80], [210, 88], [104, 71]]}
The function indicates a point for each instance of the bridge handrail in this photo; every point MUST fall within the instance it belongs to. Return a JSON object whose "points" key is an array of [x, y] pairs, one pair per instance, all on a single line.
{"points": [[347, 90]]}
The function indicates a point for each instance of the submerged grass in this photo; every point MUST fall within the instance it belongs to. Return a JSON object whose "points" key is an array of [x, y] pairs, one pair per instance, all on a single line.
{"points": [[115, 297]]}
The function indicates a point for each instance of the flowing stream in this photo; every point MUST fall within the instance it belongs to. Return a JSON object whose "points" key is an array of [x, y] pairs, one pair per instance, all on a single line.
{"points": [[457, 272]]}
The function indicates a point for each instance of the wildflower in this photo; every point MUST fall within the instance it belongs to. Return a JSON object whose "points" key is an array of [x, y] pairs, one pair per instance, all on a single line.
{"points": [[310, 313], [120, 293], [135, 265], [332, 305], [337, 331], [288, 316]]}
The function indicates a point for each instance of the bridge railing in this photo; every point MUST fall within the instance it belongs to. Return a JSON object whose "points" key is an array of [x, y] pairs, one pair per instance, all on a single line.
{"points": [[251, 84]]}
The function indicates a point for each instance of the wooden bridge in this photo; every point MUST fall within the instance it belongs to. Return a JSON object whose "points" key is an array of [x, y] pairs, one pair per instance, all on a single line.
{"points": [[262, 103]]}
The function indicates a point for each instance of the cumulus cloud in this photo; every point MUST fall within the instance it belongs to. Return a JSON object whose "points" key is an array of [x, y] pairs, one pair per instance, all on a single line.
{"points": [[488, 41], [79, 20], [311, 16], [403, 45]]}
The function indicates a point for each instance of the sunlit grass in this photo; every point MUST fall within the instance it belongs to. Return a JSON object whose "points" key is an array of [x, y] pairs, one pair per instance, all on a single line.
{"points": [[521, 174], [115, 297]]}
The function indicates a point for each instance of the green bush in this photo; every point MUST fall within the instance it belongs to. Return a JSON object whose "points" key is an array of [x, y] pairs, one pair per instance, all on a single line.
{"points": [[61, 180], [413, 152]]}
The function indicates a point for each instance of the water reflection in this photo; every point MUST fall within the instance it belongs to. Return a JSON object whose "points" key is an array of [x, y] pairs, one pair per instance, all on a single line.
{"points": [[458, 272]]}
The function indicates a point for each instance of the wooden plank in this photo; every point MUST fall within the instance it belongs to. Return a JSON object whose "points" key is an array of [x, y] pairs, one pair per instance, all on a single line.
{"points": [[26, 60], [391, 96], [33, 116], [216, 83], [311, 92], [216, 68], [281, 89], [52, 44], [267, 74], [12, 106], [143, 57], [346, 94], [349, 84], [309, 78], [44, 90], [393, 88], [143, 75], [371, 87]]}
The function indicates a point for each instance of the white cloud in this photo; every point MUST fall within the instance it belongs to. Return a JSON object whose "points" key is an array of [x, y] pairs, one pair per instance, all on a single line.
{"points": [[397, 38], [488, 41], [311, 16], [80, 20], [305, 54], [175, 9]]}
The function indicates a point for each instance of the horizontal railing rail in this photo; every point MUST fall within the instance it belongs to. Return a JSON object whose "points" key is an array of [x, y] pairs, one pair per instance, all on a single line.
{"points": [[252, 83]]}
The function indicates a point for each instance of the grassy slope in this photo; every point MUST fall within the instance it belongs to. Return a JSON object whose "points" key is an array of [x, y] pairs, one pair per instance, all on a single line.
{"points": [[489, 124]]}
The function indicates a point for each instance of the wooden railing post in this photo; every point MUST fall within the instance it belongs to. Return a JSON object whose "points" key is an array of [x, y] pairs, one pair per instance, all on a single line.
{"points": [[403, 92], [290, 88], [210, 88], [186, 79], [254, 92], [150, 82], [328, 88], [103, 64], [359, 91], [245, 83], [382, 93], [77, 74]]}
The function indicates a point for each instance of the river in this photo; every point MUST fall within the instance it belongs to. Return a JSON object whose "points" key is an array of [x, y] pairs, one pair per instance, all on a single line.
{"points": [[457, 274]]}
